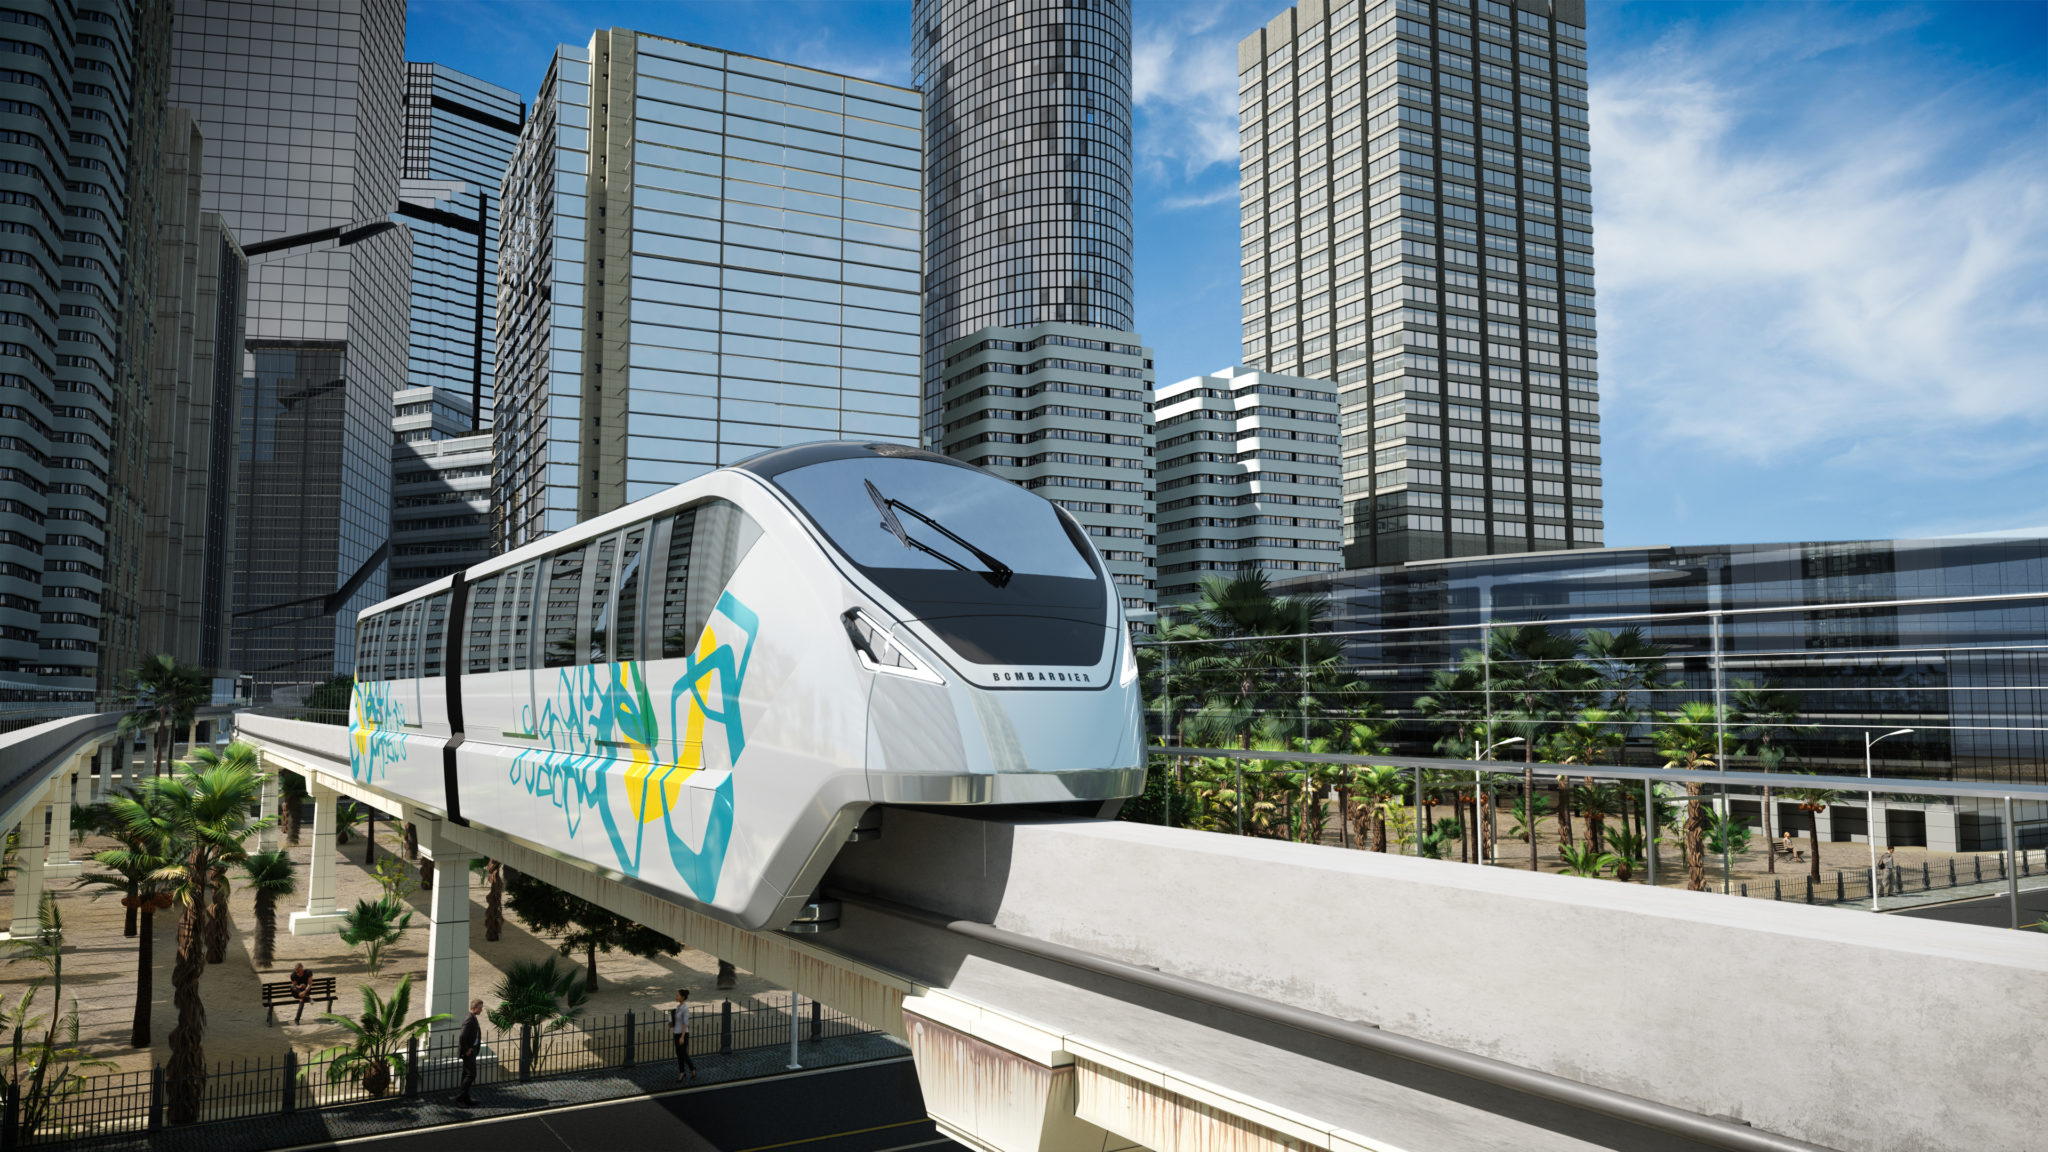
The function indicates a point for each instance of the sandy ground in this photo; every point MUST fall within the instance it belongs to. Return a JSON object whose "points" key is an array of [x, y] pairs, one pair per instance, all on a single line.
{"points": [[100, 967]]}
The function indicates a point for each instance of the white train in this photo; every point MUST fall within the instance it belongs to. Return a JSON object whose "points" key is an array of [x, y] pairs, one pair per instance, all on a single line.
{"points": [[703, 692]]}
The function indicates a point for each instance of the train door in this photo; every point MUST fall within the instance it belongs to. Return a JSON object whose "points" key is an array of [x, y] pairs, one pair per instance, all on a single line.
{"points": [[497, 686]]}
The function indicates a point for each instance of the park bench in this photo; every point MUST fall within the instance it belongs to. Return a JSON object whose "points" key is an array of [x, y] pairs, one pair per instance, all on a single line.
{"points": [[280, 992]]}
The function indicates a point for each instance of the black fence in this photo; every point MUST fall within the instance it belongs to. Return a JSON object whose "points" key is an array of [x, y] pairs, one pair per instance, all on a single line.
{"points": [[1852, 886], [131, 1103]]}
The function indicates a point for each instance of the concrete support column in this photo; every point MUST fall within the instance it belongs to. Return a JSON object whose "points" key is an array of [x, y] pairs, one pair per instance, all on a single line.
{"points": [[994, 1084], [59, 865], [28, 872], [267, 840], [447, 925], [320, 917]]}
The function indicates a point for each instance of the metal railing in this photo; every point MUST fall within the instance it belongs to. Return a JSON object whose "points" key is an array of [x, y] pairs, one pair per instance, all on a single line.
{"points": [[127, 1103]]}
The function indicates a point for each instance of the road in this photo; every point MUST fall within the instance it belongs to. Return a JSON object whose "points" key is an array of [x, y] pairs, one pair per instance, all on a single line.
{"points": [[1991, 911], [863, 1108]]}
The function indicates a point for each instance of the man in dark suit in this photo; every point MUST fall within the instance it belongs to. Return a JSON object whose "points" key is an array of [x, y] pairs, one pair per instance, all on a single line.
{"points": [[467, 1045]]}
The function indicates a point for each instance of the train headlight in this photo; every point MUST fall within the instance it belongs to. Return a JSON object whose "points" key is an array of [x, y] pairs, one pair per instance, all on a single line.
{"points": [[879, 652]]}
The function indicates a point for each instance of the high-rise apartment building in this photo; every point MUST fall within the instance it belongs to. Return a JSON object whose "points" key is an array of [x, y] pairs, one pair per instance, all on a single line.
{"points": [[440, 487], [706, 255], [302, 106], [459, 136], [1027, 185], [1417, 223], [1248, 479], [80, 82]]}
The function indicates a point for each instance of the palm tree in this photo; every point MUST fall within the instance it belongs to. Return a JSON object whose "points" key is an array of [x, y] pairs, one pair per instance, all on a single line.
{"points": [[1374, 785], [1813, 802], [139, 870], [160, 695], [1591, 737], [1250, 672], [536, 994], [271, 878], [1589, 861], [378, 1039], [373, 926], [1766, 714], [1535, 678], [203, 811], [291, 797], [1687, 739]]}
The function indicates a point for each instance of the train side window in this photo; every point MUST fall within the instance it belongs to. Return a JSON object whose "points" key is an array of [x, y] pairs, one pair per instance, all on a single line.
{"points": [[367, 654], [561, 608], [522, 617], [387, 645], [624, 616], [437, 631], [706, 544], [676, 585], [481, 612], [597, 593]]}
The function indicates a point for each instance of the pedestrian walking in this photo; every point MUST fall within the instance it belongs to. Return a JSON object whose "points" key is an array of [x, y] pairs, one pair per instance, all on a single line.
{"points": [[1888, 867], [467, 1046], [679, 1029]]}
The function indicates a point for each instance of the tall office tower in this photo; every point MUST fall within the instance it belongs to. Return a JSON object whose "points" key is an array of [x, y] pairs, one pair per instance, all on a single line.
{"points": [[459, 135], [1248, 479], [1028, 248], [706, 255], [195, 367], [70, 83], [302, 106], [1418, 228], [440, 487]]}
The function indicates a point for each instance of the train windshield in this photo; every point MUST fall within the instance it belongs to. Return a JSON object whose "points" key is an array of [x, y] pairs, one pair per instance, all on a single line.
{"points": [[994, 570]]}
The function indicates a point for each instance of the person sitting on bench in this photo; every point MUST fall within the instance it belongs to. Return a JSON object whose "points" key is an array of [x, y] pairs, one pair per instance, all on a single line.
{"points": [[302, 988]]}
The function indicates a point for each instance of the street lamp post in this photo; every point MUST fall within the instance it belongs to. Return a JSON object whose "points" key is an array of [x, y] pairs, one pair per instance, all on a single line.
{"points": [[1478, 783], [1870, 808]]}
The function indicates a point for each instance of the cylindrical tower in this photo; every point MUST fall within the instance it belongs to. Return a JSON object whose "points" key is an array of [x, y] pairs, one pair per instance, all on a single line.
{"points": [[1027, 184]]}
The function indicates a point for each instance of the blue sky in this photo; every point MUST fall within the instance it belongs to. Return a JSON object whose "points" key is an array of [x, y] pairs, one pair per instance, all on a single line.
{"points": [[1822, 234]]}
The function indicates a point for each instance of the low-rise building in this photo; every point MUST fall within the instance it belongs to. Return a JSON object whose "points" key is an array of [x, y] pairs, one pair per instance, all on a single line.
{"points": [[1248, 478]]}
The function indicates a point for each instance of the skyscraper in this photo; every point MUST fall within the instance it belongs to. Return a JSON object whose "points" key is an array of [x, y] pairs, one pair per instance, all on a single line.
{"points": [[302, 106], [459, 135], [1248, 479], [706, 254], [1027, 185], [1417, 222], [79, 91]]}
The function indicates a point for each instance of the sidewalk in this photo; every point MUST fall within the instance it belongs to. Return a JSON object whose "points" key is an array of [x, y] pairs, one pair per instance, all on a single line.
{"points": [[434, 1108]]}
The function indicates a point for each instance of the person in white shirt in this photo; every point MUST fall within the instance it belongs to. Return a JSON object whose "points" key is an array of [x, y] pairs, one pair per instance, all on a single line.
{"points": [[679, 1029]]}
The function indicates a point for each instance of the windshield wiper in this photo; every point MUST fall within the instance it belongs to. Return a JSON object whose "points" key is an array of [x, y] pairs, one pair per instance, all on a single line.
{"points": [[998, 572]]}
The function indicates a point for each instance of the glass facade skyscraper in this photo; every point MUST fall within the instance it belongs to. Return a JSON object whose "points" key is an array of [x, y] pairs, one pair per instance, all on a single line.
{"points": [[302, 107], [79, 83], [459, 136], [706, 254], [1027, 185], [1417, 228]]}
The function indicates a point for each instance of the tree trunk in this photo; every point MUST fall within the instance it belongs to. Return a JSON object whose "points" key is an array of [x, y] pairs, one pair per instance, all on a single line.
{"points": [[186, 1071], [728, 977], [266, 929], [1813, 829], [1770, 840], [494, 900], [427, 876], [217, 922], [145, 979], [369, 836], [1529, 809], [590, 965], [1596, 817], [128, 921], [1379, 829], [412, 842], [289, 816], [1695, 842], [1564, 813]]}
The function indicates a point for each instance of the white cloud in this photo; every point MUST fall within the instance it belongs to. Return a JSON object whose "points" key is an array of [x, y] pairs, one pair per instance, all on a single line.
{"points": [[1796, 267], [1184, 81]]}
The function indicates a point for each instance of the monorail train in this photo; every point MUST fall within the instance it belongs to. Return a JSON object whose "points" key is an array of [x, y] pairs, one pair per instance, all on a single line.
{"points": [[704, 692]]}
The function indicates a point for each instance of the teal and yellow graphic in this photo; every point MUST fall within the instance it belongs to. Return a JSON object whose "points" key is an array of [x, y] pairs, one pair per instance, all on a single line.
{"points": [[376, 729], [608, 751]]}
